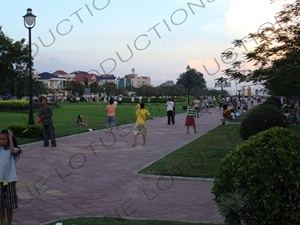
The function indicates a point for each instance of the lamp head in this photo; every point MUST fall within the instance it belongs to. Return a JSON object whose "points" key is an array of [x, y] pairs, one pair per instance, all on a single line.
{"points": [[29, 19], [188, 68]]}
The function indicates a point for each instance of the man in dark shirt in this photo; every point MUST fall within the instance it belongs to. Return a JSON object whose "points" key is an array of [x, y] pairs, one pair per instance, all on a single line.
{"points": [[45, 114]]}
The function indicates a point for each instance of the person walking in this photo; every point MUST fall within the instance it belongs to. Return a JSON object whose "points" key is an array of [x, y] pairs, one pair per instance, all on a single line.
{"points": [[110, 118], [197, 104], [140, 123], [170, 114], [174, 108], [45, 115], [190, 118], [9, 155]]}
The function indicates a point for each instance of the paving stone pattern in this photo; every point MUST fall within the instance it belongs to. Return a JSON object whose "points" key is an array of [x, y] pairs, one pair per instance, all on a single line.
{"points": [[95, 174]]}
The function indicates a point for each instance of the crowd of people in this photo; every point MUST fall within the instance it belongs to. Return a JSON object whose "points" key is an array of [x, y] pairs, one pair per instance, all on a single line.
{"points": [[10, 152]]}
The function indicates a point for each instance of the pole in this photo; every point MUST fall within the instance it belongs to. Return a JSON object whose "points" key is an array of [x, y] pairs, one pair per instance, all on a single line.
{"points": [[30, 120], [188, 87], [15, 89], [221, 89]]}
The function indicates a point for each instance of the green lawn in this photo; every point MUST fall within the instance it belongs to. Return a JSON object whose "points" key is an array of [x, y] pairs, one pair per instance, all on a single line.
{"points": [[116, 221], [199, 158], [65, 117]]}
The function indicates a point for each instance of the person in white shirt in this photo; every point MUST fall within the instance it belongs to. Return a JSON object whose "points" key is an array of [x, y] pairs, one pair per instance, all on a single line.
{"points": [[120, 100], [170, 107], [197, 104]]}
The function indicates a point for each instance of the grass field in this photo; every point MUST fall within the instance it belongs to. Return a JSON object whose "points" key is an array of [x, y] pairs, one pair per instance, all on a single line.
{"points": [[201, 157], [65, 117]]}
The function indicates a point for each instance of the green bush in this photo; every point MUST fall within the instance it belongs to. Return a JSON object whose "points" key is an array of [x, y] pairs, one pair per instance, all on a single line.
{"points": [[259, 182], [23, 105], [32, 132], [273, 100], [262, 118]]}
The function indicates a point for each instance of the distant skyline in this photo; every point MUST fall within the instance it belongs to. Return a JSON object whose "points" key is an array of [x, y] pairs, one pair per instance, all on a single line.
{"points": [[156, 38]]}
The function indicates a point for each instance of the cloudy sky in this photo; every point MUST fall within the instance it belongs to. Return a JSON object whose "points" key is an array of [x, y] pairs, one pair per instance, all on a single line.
{"points": [[157, 38]]}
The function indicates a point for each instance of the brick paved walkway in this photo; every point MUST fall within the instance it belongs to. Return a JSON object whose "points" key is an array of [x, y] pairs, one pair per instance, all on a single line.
{"points": [[94, 174]]}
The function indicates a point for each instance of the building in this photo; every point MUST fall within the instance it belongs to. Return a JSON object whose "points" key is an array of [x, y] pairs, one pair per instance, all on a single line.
{"points": [[134, 80], [167, 83], [107, 78], [52, 81]]}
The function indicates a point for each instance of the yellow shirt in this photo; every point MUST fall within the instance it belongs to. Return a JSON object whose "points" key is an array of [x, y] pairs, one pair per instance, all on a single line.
{"points": [[138, 106], [141, 115]]}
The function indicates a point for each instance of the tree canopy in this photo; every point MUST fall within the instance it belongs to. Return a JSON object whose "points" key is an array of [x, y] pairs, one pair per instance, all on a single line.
{"points": [[192, 79], [276, 58], [12, 53]]}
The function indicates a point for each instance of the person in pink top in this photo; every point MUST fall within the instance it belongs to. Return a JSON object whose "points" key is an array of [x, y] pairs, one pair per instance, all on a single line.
{"points": [[110, 119]]}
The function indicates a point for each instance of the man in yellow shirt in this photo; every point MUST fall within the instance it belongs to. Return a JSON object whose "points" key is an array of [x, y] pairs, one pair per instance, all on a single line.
{"points": [[140, 123]]}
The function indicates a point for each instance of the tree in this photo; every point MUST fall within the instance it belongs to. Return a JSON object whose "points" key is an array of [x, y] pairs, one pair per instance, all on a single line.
{"points": [[11, 54], [110, 88], [177, 90], [75, 87], [146, 90], [192, 79], [276, 59], [222, 81], [95, 88]]}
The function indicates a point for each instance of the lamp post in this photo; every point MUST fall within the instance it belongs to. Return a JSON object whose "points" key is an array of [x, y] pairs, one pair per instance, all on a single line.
{"points": [[239, 94], [29, 23], [15, 88], [188, 69]]}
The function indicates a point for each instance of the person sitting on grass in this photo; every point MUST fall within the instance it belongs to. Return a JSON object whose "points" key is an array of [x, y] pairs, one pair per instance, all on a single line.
{"points": [[80, 122]]}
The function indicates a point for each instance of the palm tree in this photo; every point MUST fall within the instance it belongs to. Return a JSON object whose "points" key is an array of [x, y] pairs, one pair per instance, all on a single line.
{"points": [[222, 81]]}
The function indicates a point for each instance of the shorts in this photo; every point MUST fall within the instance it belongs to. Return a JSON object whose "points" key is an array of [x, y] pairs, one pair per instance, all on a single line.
{"points": [[190, 121], [110, 121], [140, 129], [8, 199]]}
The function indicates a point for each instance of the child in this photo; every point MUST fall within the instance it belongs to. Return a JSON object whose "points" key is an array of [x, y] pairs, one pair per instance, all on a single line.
{"points": [[190, 118], [9, 155], [110, 119], [80, 121], [140, 123], [226, 116]]}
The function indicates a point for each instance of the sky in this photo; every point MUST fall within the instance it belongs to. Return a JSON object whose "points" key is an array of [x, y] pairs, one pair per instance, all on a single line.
{"points": [[156, 38]]}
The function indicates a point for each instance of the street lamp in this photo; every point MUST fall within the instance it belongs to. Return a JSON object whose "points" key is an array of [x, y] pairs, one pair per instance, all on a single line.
{"points": [[29, 23], [239, 94], [188, 69]]}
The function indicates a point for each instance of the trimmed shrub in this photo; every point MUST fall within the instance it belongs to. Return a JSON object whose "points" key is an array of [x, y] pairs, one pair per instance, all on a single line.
{"points": [[32, 132], [23, 105], [273, 100], [259, 182], [262, 118]]}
